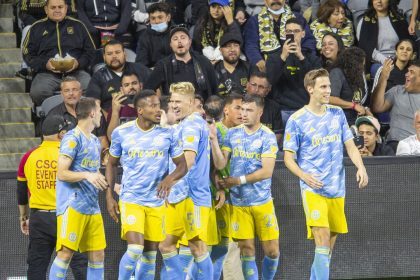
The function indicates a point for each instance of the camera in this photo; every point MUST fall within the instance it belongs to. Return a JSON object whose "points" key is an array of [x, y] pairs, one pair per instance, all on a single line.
{"points": [[359, 141]]}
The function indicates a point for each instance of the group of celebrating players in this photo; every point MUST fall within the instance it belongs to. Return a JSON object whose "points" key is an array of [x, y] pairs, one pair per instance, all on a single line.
{"points": [[190, 188]]}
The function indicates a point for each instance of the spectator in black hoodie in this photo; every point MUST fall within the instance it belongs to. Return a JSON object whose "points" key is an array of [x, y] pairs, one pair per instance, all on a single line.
{"points": [[153, 44]]}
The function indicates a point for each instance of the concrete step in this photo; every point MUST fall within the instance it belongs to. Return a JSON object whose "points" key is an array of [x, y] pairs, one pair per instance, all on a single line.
{"points": [[18, 145], [10, 55], [15, 115], [15, 100], [7, 40], [6, 10], [6, 24], [8, 69], [10, 162], [17, 130], [12, 85]]}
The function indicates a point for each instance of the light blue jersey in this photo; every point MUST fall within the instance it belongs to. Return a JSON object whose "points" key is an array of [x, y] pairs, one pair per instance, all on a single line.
{"points": [[85, 151], [318, 144], [179, 191], [246, 151], [194, 135], [144, 159]]}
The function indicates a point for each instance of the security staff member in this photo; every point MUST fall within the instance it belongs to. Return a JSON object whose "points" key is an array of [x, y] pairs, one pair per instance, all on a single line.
{"points": [[36, 176], [57, 34]]}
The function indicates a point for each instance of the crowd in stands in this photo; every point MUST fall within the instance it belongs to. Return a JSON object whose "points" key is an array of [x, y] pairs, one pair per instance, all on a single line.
{"points": [[116, 48]]}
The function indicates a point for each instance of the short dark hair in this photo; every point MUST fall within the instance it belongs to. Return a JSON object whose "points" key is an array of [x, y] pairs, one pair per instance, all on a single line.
{"points": [[327, 9], [68, 79], [214, 107], [164, 102], [142, 95], [127, 73], [84, 107], [112, 42], [159, 7], [295, 21], [232, 97], [199, 97], [259, 74], [48, 1], [253, 98]]}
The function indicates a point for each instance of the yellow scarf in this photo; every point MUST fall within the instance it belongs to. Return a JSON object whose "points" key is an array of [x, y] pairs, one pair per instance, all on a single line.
{"points": [[319, 29]]}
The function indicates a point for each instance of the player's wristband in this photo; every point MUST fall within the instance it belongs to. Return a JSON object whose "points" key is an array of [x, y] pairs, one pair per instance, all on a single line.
{"points": [[242, 179]]}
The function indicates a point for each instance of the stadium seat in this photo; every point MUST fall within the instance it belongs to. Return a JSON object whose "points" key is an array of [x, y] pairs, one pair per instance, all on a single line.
{"points": [[48, 104]]}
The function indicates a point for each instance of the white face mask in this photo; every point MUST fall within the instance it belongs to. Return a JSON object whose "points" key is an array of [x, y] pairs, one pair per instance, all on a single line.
{"points": [[160, 27], [276, 12]]}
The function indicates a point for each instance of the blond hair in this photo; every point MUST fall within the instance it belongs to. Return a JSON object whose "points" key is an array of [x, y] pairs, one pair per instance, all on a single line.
{"points": [[312, 75], [185, 88]]}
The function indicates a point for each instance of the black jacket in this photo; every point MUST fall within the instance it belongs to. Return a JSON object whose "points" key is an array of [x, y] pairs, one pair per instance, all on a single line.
{"points": [[152, 46], [286, 78], [33, 10], [42, 43], [167, 68], [105, 82]]}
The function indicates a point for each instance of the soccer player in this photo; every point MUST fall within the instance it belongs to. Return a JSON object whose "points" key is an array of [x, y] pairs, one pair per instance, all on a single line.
{"points": [[252, 150], [143, 148], [315, 135], [189, 203], [79, 221], [37, 176]]}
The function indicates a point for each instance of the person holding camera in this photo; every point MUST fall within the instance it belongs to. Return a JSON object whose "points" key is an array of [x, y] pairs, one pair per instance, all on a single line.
{"points": [[287, 68], [122, 109], [368, 138]]}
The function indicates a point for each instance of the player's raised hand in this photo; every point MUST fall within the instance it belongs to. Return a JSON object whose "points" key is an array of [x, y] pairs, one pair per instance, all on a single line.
{"points": [[362, 178], [311, 180], [220, 198], [112, 207], [97, 180]]}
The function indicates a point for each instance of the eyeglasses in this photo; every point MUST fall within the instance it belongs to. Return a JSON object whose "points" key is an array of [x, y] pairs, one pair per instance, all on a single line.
{"points": [[294, 31]]}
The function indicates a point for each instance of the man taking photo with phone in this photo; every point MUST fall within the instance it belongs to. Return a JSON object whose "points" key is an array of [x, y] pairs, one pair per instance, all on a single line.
{"points": [[287, 68]]}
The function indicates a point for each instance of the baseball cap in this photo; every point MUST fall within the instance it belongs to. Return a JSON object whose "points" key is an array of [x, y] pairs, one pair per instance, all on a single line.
{"points": [[220, 2], [370, 120], [54, 124], [229, 37], [179, 27]]}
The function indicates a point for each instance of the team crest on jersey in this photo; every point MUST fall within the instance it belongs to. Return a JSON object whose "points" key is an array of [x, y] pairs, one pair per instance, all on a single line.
{"points": [[235, 226], [131, 219], [256, 144], [72, 144], [70, 30], [45, 33], [315, 214], [334, 124], [72, 236], [190, 139]]}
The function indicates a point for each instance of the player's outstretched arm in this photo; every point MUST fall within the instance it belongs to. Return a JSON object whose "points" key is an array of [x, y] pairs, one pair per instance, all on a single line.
{"points": [[181, 169], [65, 174], [110, 175], [356, 158], [309, 179]]}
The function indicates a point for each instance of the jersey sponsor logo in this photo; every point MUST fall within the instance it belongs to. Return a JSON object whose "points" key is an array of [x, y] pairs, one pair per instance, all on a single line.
{"points": [[72, 144], [72, 236], [86, 162], [316, 141], [138, 153], [315, 214], [244, 154]]}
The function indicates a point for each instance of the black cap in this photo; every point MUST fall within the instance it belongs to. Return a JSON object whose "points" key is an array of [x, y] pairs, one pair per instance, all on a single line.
{"points": [[54, 124], [229, 37], [176, 28]]}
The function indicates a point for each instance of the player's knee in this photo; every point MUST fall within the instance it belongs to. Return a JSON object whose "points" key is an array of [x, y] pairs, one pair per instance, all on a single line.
{"points": [[198, 248], [65, 254], [322, 236], [96, 256], [247, 249], [273, 253], [166, 247]]}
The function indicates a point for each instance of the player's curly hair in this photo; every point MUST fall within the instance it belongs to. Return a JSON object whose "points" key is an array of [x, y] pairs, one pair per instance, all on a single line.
{"points": [[351, 62]]}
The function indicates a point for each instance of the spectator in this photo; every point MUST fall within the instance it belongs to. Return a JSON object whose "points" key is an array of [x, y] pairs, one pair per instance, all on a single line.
{"points": [[123, 109], [404, 53], [402, 102], [210, 28], [153, 44], [36, 185], [57, 35], [183, 66], [258, 85], [70, 89], [241, 17], [199, 105], [140, 14], [331, 47], [287, 68], [107, 80], [379, 31], [29, 12], [348, 84], [332, 18], [106, 19], [200, 8], [410, 146], [266, 32], [369, 128], [232, 73]]}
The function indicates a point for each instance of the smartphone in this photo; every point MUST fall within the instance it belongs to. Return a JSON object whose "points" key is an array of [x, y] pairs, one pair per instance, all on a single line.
{"points": [[359, 141], [128, 100], [291, 37]]}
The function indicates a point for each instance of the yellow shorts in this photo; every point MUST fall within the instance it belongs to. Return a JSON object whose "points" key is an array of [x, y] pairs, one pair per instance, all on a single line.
{"points": [[213, 234], [193, 223], [260, 219], [149, 221], [322, 211], [80, 232], [223, 218]]}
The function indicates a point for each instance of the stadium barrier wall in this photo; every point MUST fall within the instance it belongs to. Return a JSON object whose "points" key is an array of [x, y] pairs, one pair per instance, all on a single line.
{"points": [[383, 220]]}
